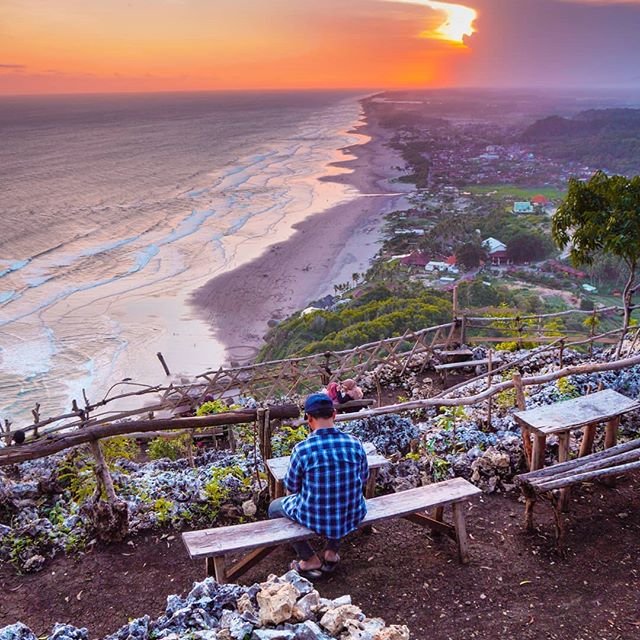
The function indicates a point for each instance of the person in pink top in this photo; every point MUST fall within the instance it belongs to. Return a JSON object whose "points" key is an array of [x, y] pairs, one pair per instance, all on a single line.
{"points": [[349, 390]]}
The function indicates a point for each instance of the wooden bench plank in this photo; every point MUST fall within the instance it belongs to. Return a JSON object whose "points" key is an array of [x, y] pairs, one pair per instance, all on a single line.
{"points": [[244, 537], [353, 406], [604, 465], [466, 363], [614, 455], [278, 466], [579, 412], [463, 353]]}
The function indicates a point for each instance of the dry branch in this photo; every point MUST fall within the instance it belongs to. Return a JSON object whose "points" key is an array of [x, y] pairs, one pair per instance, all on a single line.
{"points": [[493, 390], [52, 444]]}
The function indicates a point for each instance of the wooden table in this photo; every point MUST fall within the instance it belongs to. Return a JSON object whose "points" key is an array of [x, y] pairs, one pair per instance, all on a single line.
{"points": [[562, 418], [278, 468]]}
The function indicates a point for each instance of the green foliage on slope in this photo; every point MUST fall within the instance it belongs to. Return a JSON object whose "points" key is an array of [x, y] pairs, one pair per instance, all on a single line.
{"points": [[379, 313]]}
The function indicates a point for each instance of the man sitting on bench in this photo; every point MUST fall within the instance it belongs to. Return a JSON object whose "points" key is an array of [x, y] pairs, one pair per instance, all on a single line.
{"points": [[326, 476]]}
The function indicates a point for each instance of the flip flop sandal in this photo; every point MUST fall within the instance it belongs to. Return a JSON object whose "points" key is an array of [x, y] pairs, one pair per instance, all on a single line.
{"points": [[309, 574], [328, 566]]}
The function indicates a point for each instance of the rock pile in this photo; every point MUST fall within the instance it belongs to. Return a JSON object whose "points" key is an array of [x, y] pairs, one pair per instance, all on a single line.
{"points": [[44, 515], [390, 433], [282, 608]]}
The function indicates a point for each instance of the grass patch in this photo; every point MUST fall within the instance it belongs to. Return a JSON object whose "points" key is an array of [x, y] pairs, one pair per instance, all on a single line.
{"points": [[515, 192]]}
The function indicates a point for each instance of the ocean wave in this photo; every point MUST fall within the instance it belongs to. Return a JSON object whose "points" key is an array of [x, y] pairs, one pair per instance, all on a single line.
{"points": [[120, 254]]}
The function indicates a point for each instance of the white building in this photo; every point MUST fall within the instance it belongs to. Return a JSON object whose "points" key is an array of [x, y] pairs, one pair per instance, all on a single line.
{"points": [[434, 265]]}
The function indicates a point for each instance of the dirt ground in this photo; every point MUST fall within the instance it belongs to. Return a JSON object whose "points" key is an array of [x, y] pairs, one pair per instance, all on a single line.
{"points": [[515, 587]]}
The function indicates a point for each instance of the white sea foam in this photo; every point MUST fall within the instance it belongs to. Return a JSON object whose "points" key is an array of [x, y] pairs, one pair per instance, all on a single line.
{"points": [[108, 228]]}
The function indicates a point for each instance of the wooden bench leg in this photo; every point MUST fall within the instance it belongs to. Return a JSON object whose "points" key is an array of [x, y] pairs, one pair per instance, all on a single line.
{"points": [[370, 489], [249, 561], [529, 505], [563, 456], [461, 532], [539, 449], [526, 447], [438, 516], [611, 432], [559, 520], [216, 568], [610, 439], [587, 440]]}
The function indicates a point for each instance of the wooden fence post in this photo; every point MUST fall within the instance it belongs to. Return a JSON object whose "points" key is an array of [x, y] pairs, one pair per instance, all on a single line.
{"points": [[325, 373], [163, 363], [260, 422], [7, 432], [521, 405], [190, 459], [455, 304], [489, 382], [267, 434], [102, 472]]}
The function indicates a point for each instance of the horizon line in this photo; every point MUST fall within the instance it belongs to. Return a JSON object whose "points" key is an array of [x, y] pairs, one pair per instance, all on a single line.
{"points": [[368, 92]]}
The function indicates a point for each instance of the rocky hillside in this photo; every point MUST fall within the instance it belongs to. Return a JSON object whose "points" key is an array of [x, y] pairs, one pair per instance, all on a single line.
{"points": [[282, 608]]}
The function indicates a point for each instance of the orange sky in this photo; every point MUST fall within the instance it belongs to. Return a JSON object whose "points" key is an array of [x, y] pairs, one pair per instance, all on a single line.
{"points": [[63, 46], [60, 46]]}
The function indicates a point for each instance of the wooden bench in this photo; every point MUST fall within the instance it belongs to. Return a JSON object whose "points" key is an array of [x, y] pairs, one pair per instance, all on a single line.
{"points": [[561, 418], [278, 468], [465, 364], [456, 355], [261, 538], [354, 405], [552, 482]]}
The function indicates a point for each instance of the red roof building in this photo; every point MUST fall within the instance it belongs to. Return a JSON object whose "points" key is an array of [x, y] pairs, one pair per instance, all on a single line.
{"points": [[540, 200], [558, 267], [415, 259]]}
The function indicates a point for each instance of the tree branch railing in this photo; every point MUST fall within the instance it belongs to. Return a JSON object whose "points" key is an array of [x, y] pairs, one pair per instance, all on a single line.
{"points": [[286, 376], [55, 443]]}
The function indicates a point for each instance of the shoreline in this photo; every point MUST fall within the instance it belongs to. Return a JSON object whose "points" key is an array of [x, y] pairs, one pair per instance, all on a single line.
{"points": [[325, 248]]}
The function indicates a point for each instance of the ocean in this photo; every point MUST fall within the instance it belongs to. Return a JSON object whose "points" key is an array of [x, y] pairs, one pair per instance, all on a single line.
{"points": [[114, 209]]}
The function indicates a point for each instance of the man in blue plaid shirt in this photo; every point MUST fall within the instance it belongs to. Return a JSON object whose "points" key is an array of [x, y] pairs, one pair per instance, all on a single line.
{"points": [[326, 476]]}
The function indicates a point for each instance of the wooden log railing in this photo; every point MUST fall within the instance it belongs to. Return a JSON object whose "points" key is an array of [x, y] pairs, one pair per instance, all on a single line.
{"points": [[94, 430], [91, 432], [48, 445], [299, 375]]}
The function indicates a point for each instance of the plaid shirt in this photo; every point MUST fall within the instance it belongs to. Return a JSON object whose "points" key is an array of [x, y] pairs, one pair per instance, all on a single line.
{"points": [[326, 475]]}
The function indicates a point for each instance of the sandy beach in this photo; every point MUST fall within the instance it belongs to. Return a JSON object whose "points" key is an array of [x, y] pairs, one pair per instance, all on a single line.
{"points": [[325, 249]]}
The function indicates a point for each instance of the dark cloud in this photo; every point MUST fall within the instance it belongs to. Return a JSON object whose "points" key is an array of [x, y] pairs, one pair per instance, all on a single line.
{"points": [[13, 67], [552, 43]]}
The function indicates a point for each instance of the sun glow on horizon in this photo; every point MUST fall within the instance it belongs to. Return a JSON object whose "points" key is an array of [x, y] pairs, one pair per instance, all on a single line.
{"points": [[458, 21]]}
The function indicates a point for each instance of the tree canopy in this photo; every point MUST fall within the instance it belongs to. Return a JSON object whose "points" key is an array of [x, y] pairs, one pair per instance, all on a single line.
{"points": [[602, 215], [529, 247], [470, 255]]}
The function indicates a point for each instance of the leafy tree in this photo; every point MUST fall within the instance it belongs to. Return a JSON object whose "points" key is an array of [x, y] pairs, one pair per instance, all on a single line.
{"points": [[602, 214], [470, 255], [529, 247]]}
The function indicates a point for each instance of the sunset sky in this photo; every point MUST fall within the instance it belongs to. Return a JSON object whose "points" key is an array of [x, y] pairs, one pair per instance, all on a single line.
{"points": [[62, 46]]}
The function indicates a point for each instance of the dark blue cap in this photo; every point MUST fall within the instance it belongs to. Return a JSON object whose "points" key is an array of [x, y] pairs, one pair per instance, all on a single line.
{"points": [[316, 402]]}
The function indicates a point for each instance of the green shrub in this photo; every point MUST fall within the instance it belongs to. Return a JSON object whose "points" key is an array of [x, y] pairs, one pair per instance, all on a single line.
{"points": [[76, 474], [118, 448], [567, 389], [449, 418], [507, 346], [162, 508], [217, 492], [168, 448], [286, 438], [215, 406]]}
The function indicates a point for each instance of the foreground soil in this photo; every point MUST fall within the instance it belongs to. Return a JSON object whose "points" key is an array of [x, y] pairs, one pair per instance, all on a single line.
{"points": [[515, 587]]}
